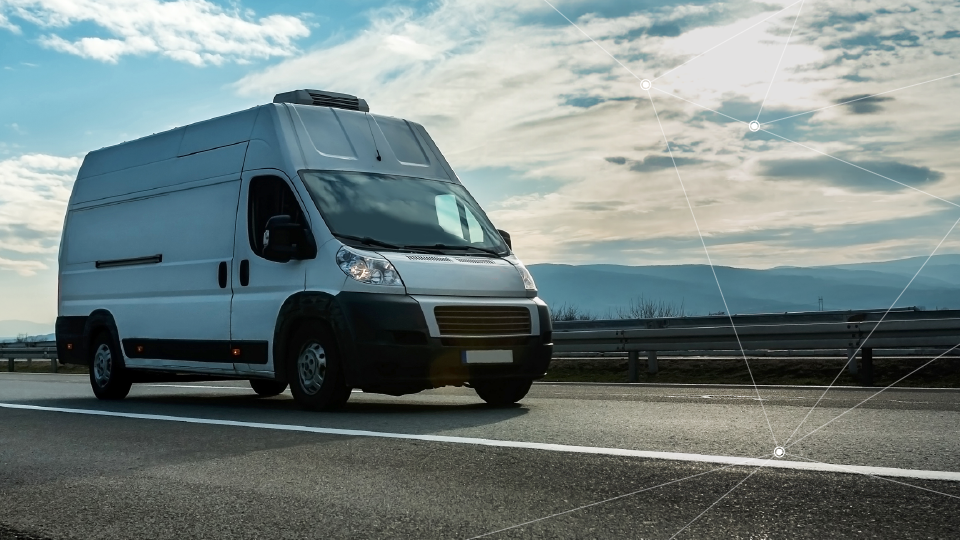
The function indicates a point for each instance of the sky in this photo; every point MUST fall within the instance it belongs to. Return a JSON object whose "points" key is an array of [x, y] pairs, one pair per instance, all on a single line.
{"points": [[539, 108]]}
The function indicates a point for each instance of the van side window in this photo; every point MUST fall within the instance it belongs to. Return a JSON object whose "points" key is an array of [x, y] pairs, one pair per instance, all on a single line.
{"points": [[269, 196]]}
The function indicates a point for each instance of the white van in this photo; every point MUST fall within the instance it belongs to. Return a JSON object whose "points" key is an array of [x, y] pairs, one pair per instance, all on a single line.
{"points": [[305, 242]]}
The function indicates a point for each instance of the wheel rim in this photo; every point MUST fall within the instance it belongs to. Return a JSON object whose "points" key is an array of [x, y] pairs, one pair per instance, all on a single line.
{"points": [[312, 366], [102, 364]]}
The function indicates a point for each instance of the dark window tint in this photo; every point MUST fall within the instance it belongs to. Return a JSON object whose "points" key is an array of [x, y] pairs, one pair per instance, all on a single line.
{"points": [[269, 196]]}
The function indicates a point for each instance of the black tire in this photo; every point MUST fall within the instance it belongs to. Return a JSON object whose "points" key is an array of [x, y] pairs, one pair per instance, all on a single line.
{"points": [[315, 369], [502, 393], [267, 388], [108, 374]]}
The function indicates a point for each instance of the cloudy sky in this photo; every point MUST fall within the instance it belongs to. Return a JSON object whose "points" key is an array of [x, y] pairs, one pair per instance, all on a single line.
{"points": [[547, 124]]}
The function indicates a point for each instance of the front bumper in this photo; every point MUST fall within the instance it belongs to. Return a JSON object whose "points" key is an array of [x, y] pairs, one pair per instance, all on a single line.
{"points": [[386, 343]]}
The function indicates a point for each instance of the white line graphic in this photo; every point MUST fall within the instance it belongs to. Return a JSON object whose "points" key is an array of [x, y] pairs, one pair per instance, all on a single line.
{"points": [[861, 168], [726, 40], [859, 99], [782, 53], [917, 273]]}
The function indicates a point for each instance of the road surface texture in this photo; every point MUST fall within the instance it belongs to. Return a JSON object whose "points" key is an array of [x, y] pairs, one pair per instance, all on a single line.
{"points": [[212, 460]]}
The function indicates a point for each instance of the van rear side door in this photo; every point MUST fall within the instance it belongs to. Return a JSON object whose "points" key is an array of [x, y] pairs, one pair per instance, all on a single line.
{"points": [[260, 285]]}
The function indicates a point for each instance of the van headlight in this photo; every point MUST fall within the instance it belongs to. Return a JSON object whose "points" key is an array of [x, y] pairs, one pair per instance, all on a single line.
{"points": [[528, 283], [367, 267]]}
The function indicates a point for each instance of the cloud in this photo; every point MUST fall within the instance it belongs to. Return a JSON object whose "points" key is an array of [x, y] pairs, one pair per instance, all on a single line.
{"points": [[7, 25], [34, 190], [829, 171], [506, 87], [197, 32], [863, 103]]}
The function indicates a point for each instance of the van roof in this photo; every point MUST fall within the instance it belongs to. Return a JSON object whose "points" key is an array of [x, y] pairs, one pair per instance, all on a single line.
{"points": [[291, 136]]}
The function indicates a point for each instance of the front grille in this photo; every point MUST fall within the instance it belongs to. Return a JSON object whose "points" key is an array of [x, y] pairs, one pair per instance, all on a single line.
{"points": [[482, 320]]}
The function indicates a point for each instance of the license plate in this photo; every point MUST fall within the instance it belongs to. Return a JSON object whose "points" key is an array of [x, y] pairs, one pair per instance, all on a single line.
{"points": [[487, 357]]}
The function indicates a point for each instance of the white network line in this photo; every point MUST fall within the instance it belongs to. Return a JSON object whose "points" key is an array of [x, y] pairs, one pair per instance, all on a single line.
{"points": [[873, 396], [726, 40], [657, 88], [625, 495], [859, 99], [861, 168], [876, 477], [591, 39], [874, 329], [720, 499], [712, 269], [782, 53]]}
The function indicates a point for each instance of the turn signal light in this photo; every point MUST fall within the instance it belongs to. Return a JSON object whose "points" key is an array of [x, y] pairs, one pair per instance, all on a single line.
{"points": [[69, 346], [139, 348], [235, 352]]}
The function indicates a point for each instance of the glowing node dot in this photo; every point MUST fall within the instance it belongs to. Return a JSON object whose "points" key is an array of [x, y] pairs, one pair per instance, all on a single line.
{"points": [[754, 126], [646, 84], [779, 451]]}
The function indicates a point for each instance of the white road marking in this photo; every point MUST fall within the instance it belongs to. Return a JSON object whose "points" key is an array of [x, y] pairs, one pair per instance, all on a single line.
{"points": [[673, 456]]}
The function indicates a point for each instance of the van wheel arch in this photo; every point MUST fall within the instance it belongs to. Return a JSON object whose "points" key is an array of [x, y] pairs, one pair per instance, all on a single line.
{"points": [[303, 308], [99, 321]]}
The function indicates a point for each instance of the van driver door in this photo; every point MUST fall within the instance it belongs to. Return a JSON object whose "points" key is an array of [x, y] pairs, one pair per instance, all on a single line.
{"points": [[260, 285]]}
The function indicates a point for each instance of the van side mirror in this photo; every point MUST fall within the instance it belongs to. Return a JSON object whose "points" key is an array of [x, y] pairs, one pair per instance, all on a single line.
{"points": [[506, 237], [285, 239]]}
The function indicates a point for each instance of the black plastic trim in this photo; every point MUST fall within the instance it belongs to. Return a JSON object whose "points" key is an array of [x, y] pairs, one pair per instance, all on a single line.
{"points": [[113, 263], [70, 339], [196, 350]]}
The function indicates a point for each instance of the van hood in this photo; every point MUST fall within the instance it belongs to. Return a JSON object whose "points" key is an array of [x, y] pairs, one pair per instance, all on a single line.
{"points": [[455, 275]]}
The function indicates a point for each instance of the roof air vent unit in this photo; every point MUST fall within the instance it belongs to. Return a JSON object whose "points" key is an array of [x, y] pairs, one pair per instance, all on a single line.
{"points": [[322, 98]]}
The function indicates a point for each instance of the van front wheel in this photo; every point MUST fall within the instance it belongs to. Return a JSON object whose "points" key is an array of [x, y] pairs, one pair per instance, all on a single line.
{"points": [[108, 376], [502, 393], [315, 370]]}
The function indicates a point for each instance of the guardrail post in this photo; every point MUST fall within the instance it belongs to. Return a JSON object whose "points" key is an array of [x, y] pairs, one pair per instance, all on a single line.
{"points": [[632, 358], [866, 374], [53, 365], [852, 360], [652, 367], [10, 365]]}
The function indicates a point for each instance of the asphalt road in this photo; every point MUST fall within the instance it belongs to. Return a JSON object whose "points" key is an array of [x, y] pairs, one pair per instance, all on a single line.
{"points": [[211, 460]]}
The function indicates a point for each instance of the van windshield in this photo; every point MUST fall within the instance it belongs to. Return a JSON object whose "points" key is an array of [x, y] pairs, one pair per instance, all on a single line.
{"points": [[402, 212]]}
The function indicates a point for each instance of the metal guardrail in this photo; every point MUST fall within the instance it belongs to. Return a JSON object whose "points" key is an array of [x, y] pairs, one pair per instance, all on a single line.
{"points": [[29, 350], [847, 330]]}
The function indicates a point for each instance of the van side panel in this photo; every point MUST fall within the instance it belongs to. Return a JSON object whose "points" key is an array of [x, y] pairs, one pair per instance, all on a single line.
{"points": [[132, 154], [156, 177], [176, 297]]}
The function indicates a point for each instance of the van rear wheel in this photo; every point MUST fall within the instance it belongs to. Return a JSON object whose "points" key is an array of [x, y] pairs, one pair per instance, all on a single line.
{"points": [[108, 375], [502, 393], [315, 370], [267, 388]]}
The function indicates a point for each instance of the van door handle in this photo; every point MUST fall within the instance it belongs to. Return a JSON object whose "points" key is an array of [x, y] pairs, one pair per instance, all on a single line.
{"points": [[244, 273], [222, 275]]}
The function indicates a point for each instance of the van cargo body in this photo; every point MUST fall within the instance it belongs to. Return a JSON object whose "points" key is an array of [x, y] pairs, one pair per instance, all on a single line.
{"points": [[304, 242]]}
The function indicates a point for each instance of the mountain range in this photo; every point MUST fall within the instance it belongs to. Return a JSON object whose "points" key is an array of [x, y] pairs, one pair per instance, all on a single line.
{"points": [[602, 288]]}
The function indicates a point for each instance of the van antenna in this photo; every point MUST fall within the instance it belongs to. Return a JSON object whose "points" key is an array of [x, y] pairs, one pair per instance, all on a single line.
{"points": [[372, 137]]}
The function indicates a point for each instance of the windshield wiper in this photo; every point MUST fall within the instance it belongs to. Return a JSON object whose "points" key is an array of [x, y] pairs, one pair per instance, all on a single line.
{"points": [[446, 246], [367, 241]]}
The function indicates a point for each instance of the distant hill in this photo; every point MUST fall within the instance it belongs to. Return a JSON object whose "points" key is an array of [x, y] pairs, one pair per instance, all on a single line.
{"points": [[601, 288], [10, 329]]}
